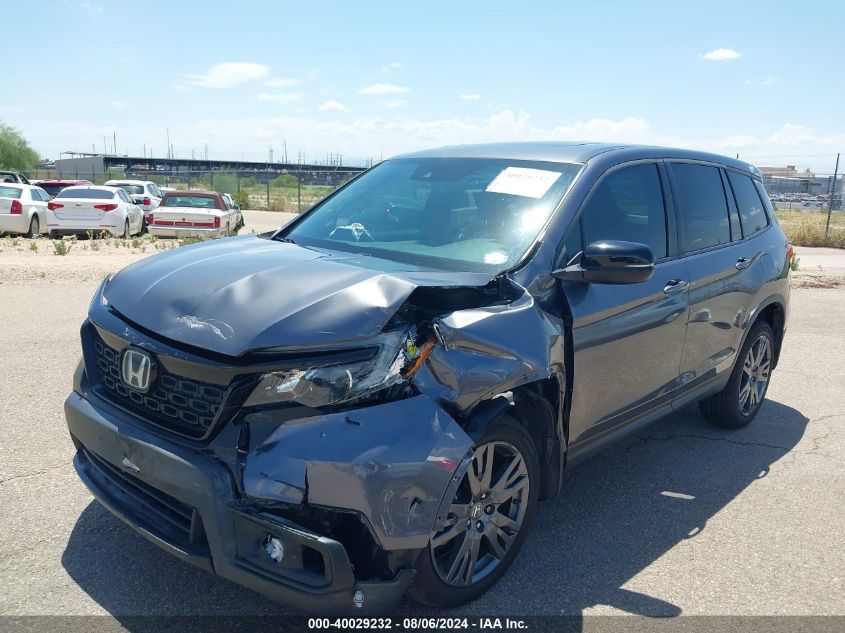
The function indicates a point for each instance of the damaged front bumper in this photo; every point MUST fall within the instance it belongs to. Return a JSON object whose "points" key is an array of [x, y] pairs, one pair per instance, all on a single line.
{"points": [[390, 465]]}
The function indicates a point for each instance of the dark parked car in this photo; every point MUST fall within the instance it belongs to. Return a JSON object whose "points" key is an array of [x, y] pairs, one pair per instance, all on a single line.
{"points": [[53, 187], [375, 397]]}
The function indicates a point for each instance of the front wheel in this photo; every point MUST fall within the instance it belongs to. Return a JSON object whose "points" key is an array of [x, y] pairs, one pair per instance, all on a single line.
{"points": [[737, 404], [126, 231], [486, 522]]}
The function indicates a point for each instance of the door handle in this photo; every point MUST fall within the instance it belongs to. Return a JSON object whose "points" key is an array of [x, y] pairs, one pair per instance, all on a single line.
{"points": [[743, 263], [674, 286]]}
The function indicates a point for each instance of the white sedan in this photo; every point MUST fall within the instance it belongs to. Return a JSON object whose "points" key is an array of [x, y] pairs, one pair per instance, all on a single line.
{"points": [[78, 210], [145, 193], [23, 209]]}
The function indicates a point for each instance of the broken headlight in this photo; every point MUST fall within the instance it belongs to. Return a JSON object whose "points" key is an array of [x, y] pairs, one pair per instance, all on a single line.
{"points": [[400, 355]]}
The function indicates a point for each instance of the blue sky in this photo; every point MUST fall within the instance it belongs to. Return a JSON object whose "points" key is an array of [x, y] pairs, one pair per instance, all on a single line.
{"points": [[366, 79]]}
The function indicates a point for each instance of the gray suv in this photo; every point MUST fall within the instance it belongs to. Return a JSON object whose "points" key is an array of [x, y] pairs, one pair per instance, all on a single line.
{"points": [[375, 398]]}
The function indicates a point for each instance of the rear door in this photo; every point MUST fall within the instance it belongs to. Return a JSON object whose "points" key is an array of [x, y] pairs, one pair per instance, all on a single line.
{"points": [[627, 338], [723, 266]]}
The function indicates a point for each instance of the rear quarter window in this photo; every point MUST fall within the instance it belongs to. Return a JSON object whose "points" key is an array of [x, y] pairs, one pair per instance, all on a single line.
{"points": [[703, 209], [752, 212]]}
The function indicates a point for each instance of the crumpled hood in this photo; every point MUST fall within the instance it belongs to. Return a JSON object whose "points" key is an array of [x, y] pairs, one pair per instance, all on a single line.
{"points": [[242, 294]]}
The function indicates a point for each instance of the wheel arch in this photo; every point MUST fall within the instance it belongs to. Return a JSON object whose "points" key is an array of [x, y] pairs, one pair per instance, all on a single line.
{"points": [[538, 406], [772, 310]]}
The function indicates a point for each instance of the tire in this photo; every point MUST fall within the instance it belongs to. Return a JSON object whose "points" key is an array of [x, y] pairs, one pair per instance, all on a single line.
{"points": [[752, 369], [126, 231], [34, 227], [506, 440]]}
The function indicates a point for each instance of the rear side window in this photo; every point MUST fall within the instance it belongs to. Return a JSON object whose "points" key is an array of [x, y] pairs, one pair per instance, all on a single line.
{"points": [[751, 211], [703, 214], [10, 192], [87, 194], [627, 205]]}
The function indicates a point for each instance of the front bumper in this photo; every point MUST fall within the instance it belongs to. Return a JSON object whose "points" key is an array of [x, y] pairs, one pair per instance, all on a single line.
{"points": [[185, 501]]}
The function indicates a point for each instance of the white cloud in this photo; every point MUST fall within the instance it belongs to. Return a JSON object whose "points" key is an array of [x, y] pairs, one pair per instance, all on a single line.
{"points": [[469, 97], [383, 89], [229, 74], [396, 103], [768, 81], [720, 55], [281, 97], [117, 103], [333, 106], [389, 67], [281, 82]]}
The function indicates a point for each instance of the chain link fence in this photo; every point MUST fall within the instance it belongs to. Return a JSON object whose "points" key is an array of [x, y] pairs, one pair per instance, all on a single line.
{"points": [[291, 191]]}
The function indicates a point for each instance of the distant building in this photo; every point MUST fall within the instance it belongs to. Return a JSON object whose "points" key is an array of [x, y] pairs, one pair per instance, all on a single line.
{"points": [[789, 180], [786, 172]]}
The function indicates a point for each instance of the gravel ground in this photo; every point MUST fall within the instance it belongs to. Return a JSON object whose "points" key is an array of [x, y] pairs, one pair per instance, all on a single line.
{"points": [[680, 519], [23, 260]]}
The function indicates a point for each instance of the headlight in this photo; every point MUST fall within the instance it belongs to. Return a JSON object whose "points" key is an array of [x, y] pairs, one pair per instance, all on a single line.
{"points": [[399, 356]]}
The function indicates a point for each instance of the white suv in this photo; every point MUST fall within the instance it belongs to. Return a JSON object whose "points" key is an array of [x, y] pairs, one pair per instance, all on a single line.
{"points": [[145, 193]]}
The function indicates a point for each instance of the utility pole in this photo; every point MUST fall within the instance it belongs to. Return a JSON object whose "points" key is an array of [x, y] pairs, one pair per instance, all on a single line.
{"points": [[832, 193], [271, 154], [169, 147], [286, 150], [105, 147], [206, 151], [145, 150], [114, 142]]}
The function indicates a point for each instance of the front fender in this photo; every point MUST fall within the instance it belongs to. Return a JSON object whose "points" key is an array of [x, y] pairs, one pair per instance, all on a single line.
{"points": [[390, 462]]}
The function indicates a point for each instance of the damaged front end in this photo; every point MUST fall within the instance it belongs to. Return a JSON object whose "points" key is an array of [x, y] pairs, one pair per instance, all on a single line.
{"points": [[324, 470]]}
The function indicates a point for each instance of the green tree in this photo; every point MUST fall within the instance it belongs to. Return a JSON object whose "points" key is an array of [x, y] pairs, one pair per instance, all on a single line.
{"points": [[15, 152], [284, 180]]}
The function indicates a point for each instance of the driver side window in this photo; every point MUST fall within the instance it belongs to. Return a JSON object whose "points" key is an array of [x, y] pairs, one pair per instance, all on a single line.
{"points": [[628, 205]]}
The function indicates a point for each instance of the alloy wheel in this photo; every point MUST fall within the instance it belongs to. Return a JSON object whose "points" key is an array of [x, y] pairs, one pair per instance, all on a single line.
{"points": [[485, 516], [755, 375]]}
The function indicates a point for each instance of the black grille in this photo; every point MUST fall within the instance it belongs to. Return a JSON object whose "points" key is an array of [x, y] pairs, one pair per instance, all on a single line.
{"points": [[179, 404], [156, 511]]}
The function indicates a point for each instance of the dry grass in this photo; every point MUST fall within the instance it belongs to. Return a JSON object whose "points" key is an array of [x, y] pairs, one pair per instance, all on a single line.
{"points": [[807, 228]]}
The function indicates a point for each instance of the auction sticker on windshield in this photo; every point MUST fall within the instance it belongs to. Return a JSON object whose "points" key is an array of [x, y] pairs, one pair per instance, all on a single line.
{"points": [[523, 181]]}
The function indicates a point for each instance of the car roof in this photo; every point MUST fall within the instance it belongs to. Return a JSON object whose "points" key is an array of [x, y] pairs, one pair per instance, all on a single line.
{"points": [[570, 152], [77, 187], [64, 182], [204, 194], [124, 181]]}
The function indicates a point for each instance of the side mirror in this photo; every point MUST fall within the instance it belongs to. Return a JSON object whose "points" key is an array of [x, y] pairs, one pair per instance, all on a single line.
{"points": [[611, 262]]}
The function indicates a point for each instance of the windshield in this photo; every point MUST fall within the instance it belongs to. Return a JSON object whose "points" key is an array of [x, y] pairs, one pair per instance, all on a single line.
{"points": [[87, 194], [131, 189], [461, 214], [200, 202], [53, 189]]}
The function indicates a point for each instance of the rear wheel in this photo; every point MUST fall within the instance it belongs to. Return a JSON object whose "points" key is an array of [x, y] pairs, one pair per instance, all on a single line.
{"points": [[737, 404], [126, 231], [34, 227], [487, 520]]}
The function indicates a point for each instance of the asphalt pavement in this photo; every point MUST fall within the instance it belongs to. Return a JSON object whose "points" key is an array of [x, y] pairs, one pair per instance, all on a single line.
{"points": [[681, 518]]}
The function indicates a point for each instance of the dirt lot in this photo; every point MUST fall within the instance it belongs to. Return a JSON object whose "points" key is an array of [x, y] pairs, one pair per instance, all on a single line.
{"points": [[680, 519], [24, 260]]}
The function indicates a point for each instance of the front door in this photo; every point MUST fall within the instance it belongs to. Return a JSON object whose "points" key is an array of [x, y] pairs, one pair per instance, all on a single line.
{"points": [[627, 338]]}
